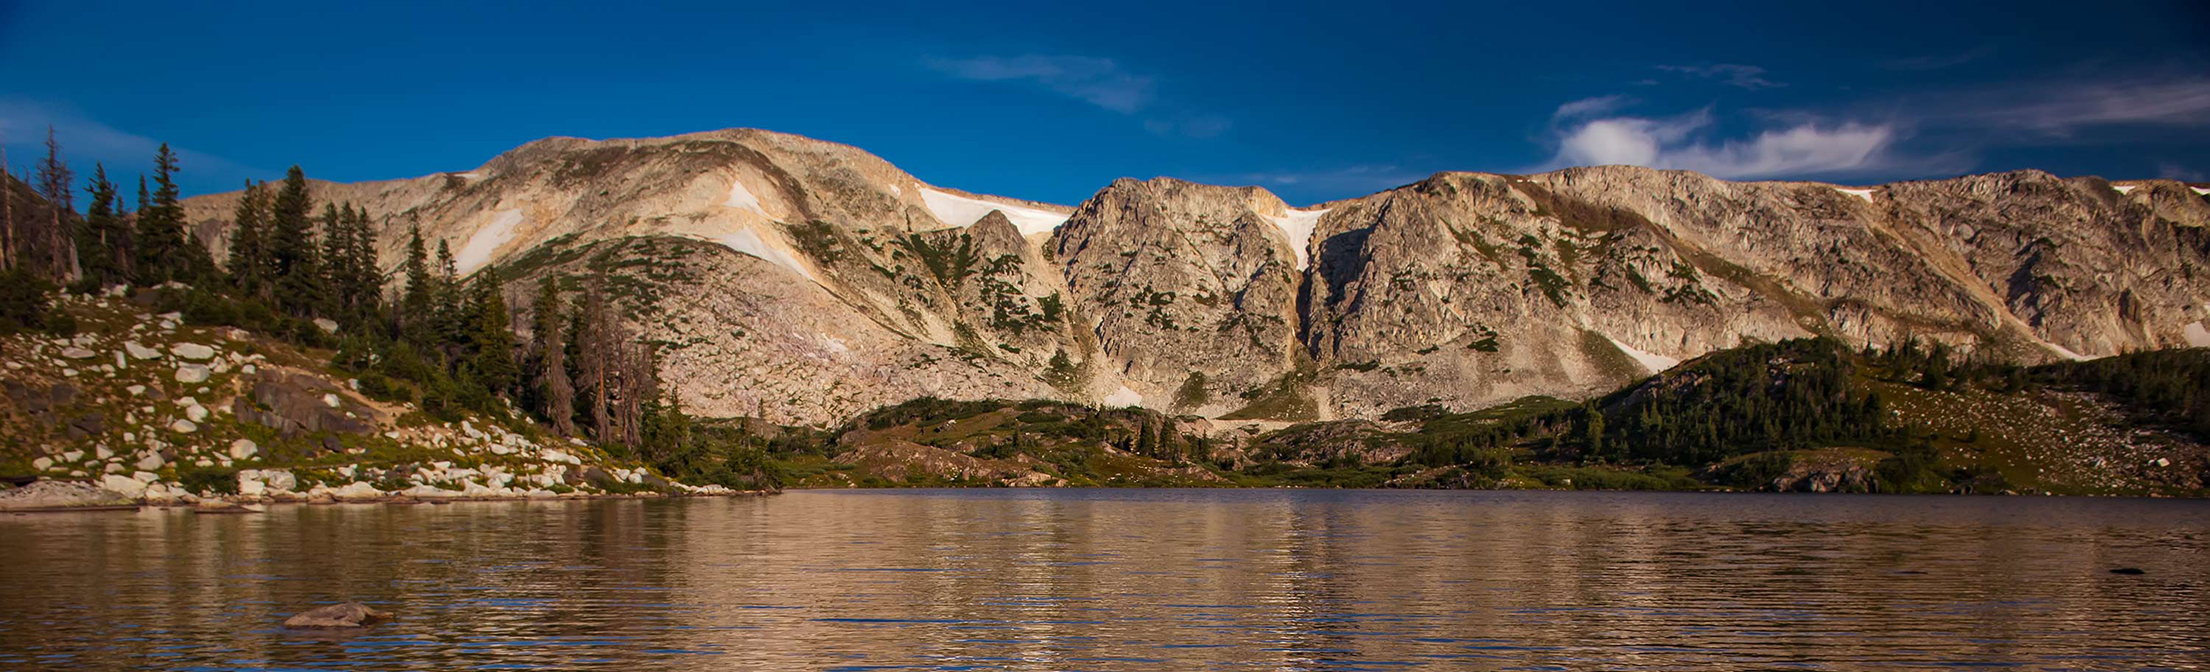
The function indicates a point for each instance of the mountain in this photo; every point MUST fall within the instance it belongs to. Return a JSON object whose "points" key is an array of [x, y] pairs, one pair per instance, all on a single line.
{"points": [[807, 282]]}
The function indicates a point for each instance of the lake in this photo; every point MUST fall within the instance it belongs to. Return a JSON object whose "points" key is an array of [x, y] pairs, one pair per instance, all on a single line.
{"points": [[1126, 579]]}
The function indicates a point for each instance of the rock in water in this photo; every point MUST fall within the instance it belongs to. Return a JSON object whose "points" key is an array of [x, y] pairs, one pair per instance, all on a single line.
{"points": [[346, 615], [223, 506]]}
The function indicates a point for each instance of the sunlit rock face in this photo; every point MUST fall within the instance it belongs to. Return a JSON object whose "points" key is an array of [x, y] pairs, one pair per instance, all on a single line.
{"points": [[805, 281]]}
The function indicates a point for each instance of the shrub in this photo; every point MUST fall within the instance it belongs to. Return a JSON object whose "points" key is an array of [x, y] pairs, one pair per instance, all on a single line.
{"points": [[382, 388], [60, 323], [208, 480], [22, 301]]}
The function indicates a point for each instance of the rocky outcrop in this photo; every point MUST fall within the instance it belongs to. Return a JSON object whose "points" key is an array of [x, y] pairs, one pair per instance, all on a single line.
{"points": [[1184, 284], [295, 404], [44, 495], [804, 282]]}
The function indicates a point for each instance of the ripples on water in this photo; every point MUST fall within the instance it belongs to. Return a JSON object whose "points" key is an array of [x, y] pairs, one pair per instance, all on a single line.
{"points": [[1126, 579]]}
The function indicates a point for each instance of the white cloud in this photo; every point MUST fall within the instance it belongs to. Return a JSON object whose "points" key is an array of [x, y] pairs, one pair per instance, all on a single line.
{"points": [[1731, 74], [23, 125], [1097, 81], [1590, 107], [2173, 171], [1800, 149], [2062, 108]]}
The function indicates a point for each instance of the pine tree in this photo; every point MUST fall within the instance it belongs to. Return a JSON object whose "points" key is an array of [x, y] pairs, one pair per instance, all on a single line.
{"points": [[492, 338], [416, 318], [555, 392], [295, 275], [596, 350], [368, 280], [160, 237], [452, 305], [102, 244], [249, 254], [57, 239], [336, 257]]}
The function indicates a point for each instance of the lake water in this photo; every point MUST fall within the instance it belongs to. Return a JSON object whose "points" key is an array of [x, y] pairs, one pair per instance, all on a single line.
{"points": [[1126, 579]]}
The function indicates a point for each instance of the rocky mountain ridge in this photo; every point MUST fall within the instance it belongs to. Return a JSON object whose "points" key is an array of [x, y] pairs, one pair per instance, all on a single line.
{"points": [[804, 281]]}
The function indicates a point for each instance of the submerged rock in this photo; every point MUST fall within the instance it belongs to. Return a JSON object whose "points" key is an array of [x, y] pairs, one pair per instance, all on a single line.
{"points": [[218, 506], [336, 616]]}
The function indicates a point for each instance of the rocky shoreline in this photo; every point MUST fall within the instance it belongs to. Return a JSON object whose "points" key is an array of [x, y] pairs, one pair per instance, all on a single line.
{"points": [[72, 496]]}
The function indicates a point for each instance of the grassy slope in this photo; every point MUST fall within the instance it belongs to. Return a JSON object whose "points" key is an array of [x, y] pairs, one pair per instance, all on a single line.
{"points": [[2048, 437]]}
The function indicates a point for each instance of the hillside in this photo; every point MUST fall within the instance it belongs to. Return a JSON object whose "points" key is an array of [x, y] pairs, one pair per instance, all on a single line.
{"points": [[130, 393], [805, 282]]}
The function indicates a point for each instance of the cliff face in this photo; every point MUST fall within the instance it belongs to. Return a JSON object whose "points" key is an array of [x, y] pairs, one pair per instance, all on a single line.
{"points": [[811, 281]]}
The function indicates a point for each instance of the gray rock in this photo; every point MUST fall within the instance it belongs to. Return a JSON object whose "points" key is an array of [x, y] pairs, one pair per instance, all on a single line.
{"points": [[193, 351], [293, 405], [60, 495], [192, 373]]}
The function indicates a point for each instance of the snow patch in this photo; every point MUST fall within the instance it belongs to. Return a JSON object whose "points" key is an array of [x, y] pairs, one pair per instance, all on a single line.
{"points": [[1656, 363], [2201, 190], [742, 198], [2067, 352], [487, 239], [470, 175], [1860, 193], [2197, 336], [2124, 188], [958, 210], [833, 344], [896, 190], [748, 241], [1298, 226], [1123, 397]]}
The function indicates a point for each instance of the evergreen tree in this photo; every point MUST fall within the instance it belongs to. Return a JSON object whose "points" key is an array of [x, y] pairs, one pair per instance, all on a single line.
{"points": [[452, 305], [249, 258], [367, 282], [1592, 431], [295, 275], [337, 267], [103, 246], [416, 317], [492, 338], [160, 238], [556, 394], [594, 350], [57, 238]]}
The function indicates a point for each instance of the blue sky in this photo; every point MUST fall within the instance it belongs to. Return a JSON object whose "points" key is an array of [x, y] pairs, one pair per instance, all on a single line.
{"points": [[1051, 101]]}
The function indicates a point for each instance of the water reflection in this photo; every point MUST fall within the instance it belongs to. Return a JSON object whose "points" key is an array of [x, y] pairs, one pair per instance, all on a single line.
{"points": [[1126, 579]]}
